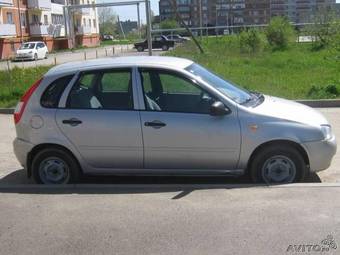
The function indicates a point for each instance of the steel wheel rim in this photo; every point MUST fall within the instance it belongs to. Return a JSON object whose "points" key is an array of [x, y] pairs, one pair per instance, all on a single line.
{"points": [[54, 170], [279, 169]]}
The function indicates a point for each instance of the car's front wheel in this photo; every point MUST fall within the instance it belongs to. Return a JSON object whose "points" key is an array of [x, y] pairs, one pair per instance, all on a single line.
{"points": [[278, 164], [165, 47], [55, 166]]}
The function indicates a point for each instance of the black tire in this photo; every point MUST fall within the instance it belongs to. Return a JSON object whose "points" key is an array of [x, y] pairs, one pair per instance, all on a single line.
{"points": [[46, 55], [140, 48], [35, 56], [258, 173], [165, 47], [56, 153]]}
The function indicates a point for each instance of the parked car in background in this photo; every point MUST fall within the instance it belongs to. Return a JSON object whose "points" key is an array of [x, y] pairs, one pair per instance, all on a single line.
{"points": [[177, 38], [163, 116], [32, 51], [158, 42], [107, 37]]}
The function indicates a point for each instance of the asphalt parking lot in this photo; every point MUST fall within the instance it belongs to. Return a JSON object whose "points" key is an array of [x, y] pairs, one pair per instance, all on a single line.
{"points": [[162, 215], [11, 172]]}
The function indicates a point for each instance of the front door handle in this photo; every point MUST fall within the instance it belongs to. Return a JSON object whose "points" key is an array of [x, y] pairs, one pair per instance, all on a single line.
{"points": [[72, 122], [155, 124]]}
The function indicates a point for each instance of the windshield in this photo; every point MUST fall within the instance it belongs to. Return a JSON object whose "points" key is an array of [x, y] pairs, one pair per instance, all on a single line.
{"points": [[235, 93], [26, 46]]}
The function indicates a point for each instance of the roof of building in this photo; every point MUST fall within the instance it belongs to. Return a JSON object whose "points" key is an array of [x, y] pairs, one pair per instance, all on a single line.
{"points": [[171, 62]]}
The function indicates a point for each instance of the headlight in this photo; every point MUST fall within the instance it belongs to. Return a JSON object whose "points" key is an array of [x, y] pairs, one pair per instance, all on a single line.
{"points": [[326, 131]]}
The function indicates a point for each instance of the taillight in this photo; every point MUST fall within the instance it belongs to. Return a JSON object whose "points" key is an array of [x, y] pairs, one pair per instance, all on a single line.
{"points": [[19, 110]]}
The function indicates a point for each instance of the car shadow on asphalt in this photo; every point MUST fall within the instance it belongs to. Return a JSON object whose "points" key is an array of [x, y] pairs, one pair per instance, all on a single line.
{"points": [[17, 182]]}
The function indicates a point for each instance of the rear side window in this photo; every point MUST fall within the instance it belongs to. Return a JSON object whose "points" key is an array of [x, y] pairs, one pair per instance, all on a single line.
{"points": [[51, 96]]}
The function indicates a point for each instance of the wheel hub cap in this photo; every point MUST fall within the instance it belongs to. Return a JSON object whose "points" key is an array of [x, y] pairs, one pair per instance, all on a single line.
{"points": [[279, 169], [54, 171]]}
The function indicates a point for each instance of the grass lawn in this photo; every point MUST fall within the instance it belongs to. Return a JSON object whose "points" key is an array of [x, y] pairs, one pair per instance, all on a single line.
{"points": [[296, 73], [14, 84]]}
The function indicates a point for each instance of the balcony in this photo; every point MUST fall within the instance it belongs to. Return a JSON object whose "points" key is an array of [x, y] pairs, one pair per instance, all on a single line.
{"points": [[6, 2], [82, 11], [82, 30], [7, 30], [42, 5], [56, 30], [36, 29]]}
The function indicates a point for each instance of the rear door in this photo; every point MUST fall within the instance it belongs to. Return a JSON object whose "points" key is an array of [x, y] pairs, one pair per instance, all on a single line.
{"points": [[100, 120]]}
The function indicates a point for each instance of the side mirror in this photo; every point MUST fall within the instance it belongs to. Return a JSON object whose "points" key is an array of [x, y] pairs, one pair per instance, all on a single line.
{"points": [[219, 109]]}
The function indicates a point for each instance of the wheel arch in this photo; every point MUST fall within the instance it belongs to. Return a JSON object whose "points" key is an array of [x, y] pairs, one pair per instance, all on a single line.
{"points": [[44, 146], [293, 144]]}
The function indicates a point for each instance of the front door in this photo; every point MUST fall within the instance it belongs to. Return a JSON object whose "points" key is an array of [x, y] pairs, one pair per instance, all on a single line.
{"points": [[100, 120], [179, 132]]}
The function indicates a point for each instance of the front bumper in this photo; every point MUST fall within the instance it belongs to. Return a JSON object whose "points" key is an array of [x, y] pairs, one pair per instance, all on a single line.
{"points": [[24, 57], [321, 153], [21, 150]]}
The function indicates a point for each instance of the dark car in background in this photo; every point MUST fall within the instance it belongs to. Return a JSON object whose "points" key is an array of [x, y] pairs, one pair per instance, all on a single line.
{"points": [[158, 42]]}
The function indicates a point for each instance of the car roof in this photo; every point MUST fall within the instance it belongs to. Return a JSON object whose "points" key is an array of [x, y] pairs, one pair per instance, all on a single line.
{"points": [[159, 61]]}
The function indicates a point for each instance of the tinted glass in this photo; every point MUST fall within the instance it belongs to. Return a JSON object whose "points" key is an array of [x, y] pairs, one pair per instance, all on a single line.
{"points": [[171, 92], [51, 96], [111, 90]]}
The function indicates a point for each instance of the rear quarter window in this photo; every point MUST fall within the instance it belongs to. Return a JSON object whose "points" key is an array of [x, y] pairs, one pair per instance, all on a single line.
{"points": [[51, 96]]}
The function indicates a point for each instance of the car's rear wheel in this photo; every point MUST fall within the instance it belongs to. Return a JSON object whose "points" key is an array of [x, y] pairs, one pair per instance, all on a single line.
{"points": [[165, 47], [55, 166], [278, 164], [140, 49]]}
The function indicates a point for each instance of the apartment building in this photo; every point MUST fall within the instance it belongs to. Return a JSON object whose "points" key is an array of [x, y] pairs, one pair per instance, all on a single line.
{"points": [[214, 12], [27, 20], [242, 12]]}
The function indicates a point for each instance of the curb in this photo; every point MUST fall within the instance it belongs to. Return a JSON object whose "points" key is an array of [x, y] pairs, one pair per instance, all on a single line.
{"points": [[6, 110], [326, 103], [175, 187]]}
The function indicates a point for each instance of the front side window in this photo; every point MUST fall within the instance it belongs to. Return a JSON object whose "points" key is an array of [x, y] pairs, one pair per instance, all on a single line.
{"points": [[171, 92], [109, 89]]}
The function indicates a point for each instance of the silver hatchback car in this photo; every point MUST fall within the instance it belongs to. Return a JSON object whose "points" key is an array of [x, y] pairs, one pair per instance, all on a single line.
{"points": [[163, 116]]}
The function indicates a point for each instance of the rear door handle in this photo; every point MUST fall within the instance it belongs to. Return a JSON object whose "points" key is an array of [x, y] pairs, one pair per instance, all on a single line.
{"points": [[155, 124], [72, 122]]}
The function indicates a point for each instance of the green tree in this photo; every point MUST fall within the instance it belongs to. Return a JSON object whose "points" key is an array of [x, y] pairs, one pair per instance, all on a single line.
{"points": [[279, 33], [168, 24], [251, 41], [107, 21]]}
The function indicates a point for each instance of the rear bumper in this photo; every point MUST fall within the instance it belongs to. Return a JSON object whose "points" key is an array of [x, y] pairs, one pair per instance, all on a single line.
{"points": [[321, 153], [21, 150]]}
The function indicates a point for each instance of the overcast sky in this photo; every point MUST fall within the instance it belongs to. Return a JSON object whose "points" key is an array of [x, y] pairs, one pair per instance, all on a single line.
{"points": [[130, 12]]}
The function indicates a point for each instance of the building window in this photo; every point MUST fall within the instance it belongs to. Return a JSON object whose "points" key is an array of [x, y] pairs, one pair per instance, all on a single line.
{"points": [[45, 20], [84, 21], [35, 19], [90, 23], [57, 19], [9, 16], [94, 23], [23, 19]]}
